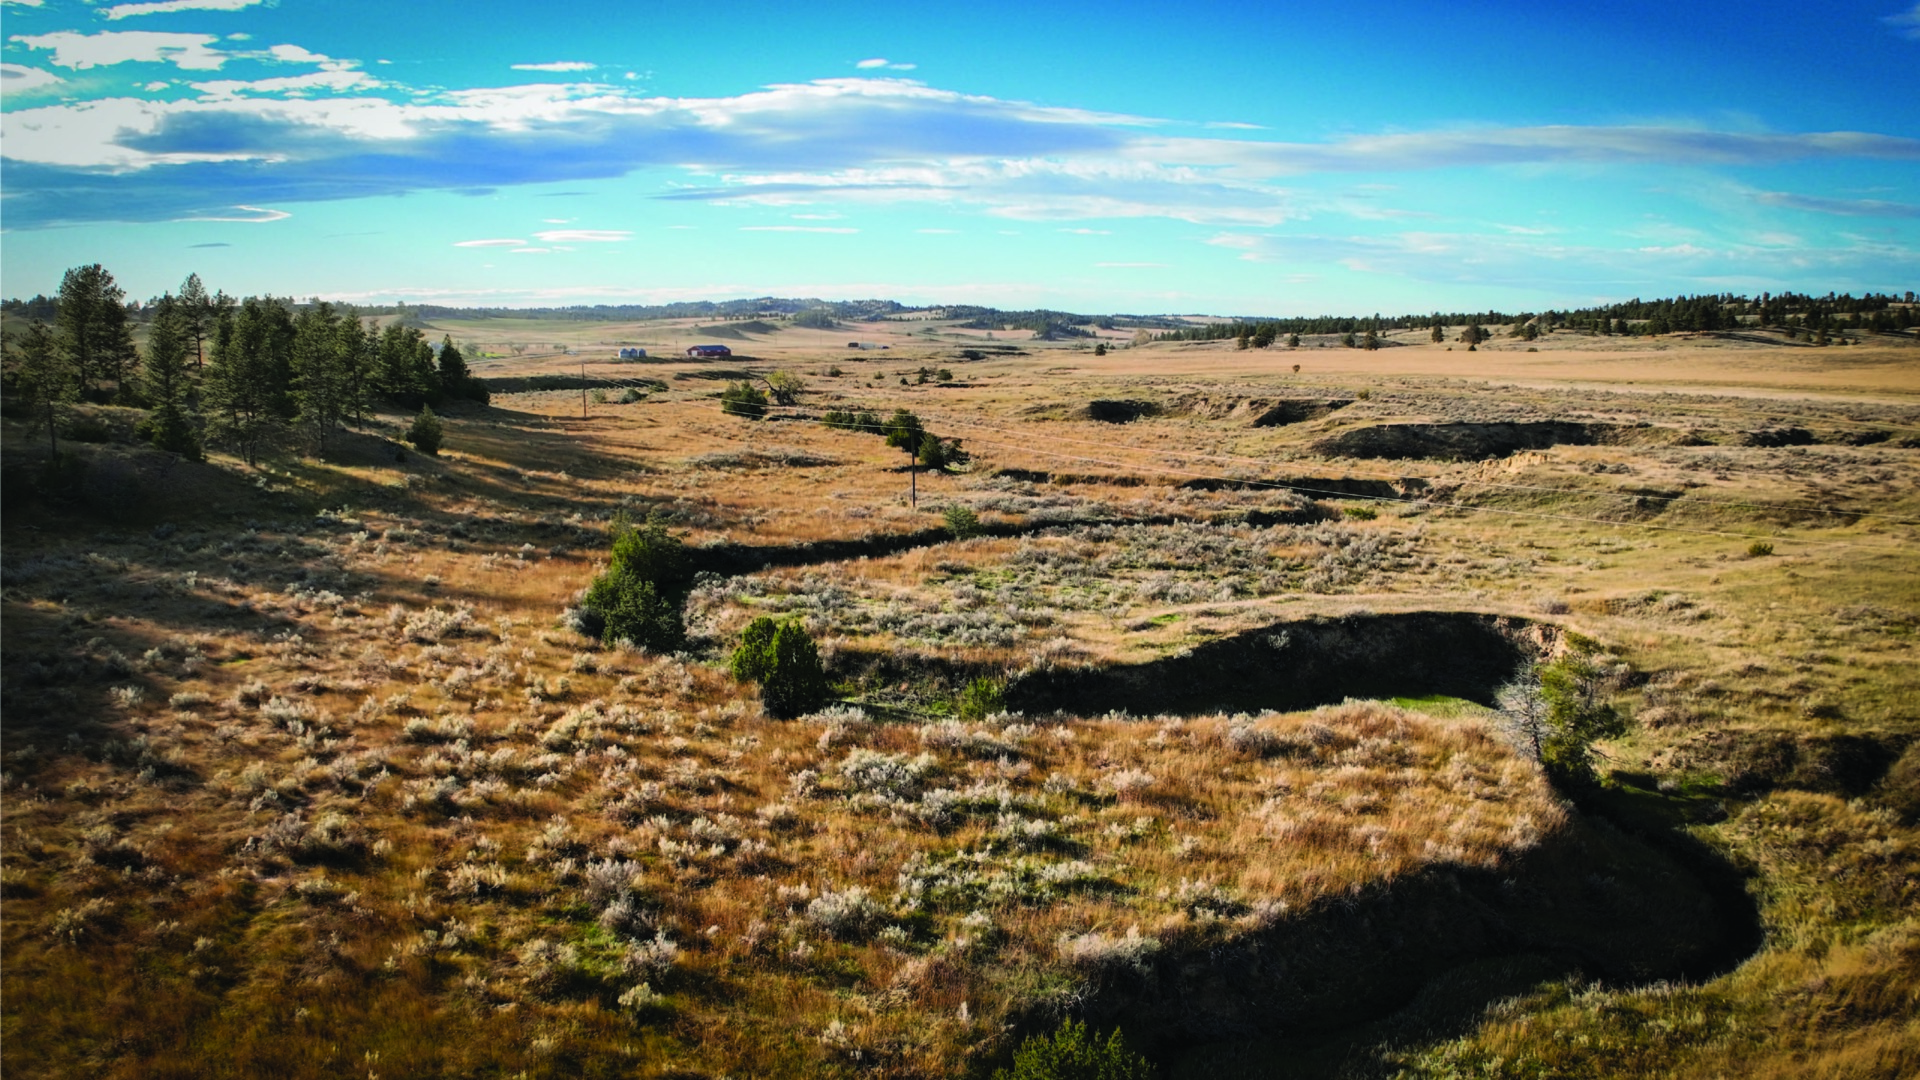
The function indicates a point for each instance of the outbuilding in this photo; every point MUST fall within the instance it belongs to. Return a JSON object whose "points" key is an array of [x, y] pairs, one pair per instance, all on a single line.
{"points": [[706, 352]]}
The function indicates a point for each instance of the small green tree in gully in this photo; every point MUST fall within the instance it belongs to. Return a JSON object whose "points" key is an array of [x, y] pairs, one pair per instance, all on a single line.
{"points": [[783, 660], [962, 522], [426, 434], [982, 698], [1074, 1053], [743, 399], [639, 597], [1558, 711]]}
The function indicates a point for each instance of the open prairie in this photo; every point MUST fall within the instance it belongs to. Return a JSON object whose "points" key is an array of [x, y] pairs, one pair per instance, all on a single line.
{"points": [[1173, 704]]}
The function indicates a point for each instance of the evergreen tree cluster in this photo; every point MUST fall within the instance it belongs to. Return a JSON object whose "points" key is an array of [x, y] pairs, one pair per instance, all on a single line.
{"points": [[904, 431], [1796, 312], [216, 369]]}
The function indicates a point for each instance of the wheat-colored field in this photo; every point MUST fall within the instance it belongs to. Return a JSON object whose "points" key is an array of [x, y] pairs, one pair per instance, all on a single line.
{"points": [[305, 774]]}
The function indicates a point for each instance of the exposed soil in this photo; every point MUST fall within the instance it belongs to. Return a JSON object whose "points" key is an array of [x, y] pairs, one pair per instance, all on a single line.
{"points": [[1298, 665], [1478, 442]]}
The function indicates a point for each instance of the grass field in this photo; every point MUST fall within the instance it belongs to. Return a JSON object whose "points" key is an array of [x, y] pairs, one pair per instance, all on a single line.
{"points": [[305, 775]]}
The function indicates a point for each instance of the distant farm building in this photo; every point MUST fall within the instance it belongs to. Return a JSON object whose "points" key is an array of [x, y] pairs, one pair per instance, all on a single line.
{"points": [[633, 354], [701, 352]]}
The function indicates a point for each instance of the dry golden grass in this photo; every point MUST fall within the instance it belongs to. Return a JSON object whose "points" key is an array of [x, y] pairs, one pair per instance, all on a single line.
{"points": [[329, 789]]}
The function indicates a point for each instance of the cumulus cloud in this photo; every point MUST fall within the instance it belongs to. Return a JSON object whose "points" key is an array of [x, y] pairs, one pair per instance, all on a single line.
{"points": [[338, 133], [557, 65], [76, 51], [161, 7]]}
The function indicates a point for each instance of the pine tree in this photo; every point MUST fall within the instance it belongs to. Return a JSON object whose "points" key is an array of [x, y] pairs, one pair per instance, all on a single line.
{"points": [[44, 375], [93, 329], [167, 381], [426, 433], [197, 316], [323, 364], [244, 383]]}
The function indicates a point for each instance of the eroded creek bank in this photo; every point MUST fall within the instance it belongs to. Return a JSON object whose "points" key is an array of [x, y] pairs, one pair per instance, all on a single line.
{"points": [[1408, 958]]}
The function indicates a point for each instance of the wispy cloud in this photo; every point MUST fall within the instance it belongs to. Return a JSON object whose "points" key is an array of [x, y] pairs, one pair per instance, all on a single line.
{"points": [[215, 244], [161, 7], [490, 243], [583, 236], [1906, 23], [877, 62], [1088, 232], [557, 65], [255, 216], [1128, 265], [798, 228], [1846, 207], [18, 77]]}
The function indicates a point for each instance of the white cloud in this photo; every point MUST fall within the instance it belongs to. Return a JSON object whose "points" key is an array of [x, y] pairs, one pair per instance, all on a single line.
{"points": [[797, 228], [490, 243], [1087, 232], [16, 77], [123, 11], [1129, 265], [558, 65], [77, 51], [1906, 23], [529, 251], [337, 80], [260, 216], [877, 62], [23, 3], [157, 84], [583, 236], [557, 221]]}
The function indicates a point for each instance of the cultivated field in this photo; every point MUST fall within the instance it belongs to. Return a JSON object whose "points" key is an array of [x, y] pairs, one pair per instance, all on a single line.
{"points": [[307, 775]]}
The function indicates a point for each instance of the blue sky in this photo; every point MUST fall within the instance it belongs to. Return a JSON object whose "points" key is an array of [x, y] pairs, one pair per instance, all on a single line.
{"points": [[1225, 158]]}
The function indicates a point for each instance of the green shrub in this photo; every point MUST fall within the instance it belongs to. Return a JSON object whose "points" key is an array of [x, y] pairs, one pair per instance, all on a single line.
{"points": [[639, 597], [629, 396], [1073, 1053], [783, 660], [982, 698], [754, 658], [426, 434], [1361, 513], [1759, 549], [743, 399], [962, 522]]}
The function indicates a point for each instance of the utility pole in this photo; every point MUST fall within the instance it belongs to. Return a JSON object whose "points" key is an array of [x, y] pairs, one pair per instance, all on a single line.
{"points": [[913, 479], [583, 389]]}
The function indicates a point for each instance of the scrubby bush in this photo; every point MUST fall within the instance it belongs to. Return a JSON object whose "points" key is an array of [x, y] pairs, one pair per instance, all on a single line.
{"points": [[1759, 549], [639, 597], [783, 660], [743, 399], [426, 434], [1074, 1053]]}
